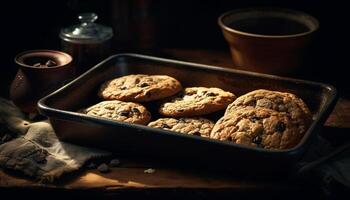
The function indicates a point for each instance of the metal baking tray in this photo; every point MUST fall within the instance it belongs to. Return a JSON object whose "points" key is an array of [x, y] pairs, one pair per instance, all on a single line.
{"points": [[130, 139]]}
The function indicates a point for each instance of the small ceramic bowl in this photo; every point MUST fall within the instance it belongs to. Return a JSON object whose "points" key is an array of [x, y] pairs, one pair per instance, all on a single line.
{"points": [[39, 73], [268, 40]]}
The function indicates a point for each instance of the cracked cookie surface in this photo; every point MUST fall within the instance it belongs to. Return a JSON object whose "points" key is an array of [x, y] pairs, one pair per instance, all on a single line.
{"points": [[259, 127], [274, 100], [120, 111], [192, 126], [195, 101], [139, 88]]}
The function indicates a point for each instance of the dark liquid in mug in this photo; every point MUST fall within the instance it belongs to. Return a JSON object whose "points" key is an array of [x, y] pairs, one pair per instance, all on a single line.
{"points": [[269, 26]]}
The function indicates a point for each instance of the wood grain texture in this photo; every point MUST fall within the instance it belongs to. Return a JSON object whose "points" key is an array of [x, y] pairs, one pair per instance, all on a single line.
{"points": [[340, 116], [162, 178]]}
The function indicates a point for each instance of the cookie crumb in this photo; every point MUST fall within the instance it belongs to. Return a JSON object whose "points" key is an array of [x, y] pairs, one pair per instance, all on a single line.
{"points": [[114, 163], [149, 171], [103, 168], [91, 166]]}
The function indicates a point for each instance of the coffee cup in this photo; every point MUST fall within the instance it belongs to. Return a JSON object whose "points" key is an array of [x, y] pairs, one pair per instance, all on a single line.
{"points": [[268, 40]]}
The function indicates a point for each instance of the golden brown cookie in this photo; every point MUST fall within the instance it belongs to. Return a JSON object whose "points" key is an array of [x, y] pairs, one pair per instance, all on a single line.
{"points": [[278, 101], [192, 126], [195, 101], [259, 127], [120, 111], [139, 88]]}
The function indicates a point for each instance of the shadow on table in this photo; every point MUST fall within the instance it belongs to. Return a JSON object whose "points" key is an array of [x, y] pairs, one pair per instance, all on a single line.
{"points": [[336, 136]]}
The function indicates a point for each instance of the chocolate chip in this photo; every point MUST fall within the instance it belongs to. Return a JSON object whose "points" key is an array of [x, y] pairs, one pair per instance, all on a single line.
{"points": [[204, 92], [165, 126], [114, 162], [211, 94], [181, 95], [180, 110], [124, 113], [51, 63], [257, 140], [280, 126], [190, 93], [91, 166], [182, 120], [123, 88], [148, 94], [135, 110], [144, 85], [197, 133], [251, 103], [103, 168], [254, 119]]}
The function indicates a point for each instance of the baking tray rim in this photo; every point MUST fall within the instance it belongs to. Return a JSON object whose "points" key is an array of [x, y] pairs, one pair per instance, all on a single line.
{"points": [[79, 117]]}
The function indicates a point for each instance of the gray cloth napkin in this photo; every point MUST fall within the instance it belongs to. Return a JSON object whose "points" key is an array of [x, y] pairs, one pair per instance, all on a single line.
{"points": [[36, 151], [327, 168]]}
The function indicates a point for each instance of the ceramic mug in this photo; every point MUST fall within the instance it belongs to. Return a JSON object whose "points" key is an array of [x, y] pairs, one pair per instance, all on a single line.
{"points": [[268, 40], [39, 73]]}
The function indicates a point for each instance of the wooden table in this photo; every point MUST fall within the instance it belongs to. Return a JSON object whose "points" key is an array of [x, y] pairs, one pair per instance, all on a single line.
{"points": [[129, 180]]}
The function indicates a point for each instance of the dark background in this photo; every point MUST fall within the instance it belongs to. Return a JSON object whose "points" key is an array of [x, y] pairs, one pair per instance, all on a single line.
{"points": [[141, 25]]}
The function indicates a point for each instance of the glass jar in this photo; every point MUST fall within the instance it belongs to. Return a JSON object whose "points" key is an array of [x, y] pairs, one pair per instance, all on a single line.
{"points": [[88, 43]]}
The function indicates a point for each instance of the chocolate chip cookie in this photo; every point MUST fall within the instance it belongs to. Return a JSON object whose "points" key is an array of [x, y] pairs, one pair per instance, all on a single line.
{"points": [[120, 111], [139, 88], [192, 126], [278, 101], [259, 127], [195, 101]]}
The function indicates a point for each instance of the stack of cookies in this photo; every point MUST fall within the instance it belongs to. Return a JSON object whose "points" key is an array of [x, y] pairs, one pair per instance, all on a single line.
{"points": [[262, 118], [123, 96], [184, 111]]}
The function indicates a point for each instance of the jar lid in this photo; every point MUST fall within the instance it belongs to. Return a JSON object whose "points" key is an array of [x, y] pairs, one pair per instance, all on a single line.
{"points": [[87, 32]]}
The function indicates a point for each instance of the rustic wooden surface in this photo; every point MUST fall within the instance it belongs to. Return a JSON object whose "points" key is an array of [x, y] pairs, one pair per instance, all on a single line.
{"points": [[131, 174], [135, 177]]}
